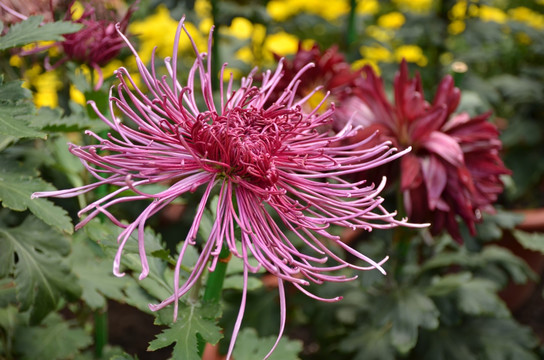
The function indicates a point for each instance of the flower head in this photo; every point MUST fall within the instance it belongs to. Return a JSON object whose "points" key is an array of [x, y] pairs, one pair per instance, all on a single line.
{"points": [[330, 74], [272, 170], [454, 167], [97, 42]]}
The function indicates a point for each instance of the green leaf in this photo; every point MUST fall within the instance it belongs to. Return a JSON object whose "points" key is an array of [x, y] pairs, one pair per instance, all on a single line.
{"points": [[472, 296], [369, 343], [493, 224], [249, 347], [16, 111], [530, 241], [17, 185], [29, 31], [192, 320], [478, 338], [94, 270], [159, 283], [41, 274], [54, 339], [407, 310], [53, 120]]}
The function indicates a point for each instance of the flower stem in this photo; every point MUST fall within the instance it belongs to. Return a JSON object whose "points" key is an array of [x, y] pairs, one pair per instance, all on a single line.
{"points": [[100, 331], [351, 30], [214, 286]]}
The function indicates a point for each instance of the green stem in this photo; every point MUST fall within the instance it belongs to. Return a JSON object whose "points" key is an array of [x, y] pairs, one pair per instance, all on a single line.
{"points": [[100, 315], [216, 58], [214, 287], [351, 29], [100, 331]]}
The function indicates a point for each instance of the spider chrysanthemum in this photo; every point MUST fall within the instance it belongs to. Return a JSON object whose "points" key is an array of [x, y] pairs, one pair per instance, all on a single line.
{"points": [[273, 167]]}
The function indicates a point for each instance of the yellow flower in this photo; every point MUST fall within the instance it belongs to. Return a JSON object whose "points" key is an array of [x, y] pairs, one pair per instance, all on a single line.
{"points": [[281, 10], [77, 96], [376, 53], [380, 34], [527, 16], [367, 7], [240, 28], [281, 43], [358, 64], [489, 13], [456, 27], [412, 53], [459, 10], [203, 8], [46, 86], [392, 20], [151, 32], [15, 61], [417, 6], [77, 10]]}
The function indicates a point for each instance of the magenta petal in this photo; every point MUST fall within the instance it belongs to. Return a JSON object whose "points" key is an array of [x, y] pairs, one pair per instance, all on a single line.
{"points": [[446, 147], [434, 175]]}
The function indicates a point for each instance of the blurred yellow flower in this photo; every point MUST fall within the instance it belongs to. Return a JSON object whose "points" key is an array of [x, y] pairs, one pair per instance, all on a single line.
{"points": [[367, 7], [151, 32], [45, 84], [359, 64], [240, 28], [245, 54], [490, 13], [456, 27], [376, 53], [77, 10], [281, 43], [418, 6], [281, 10], [412, 53], [527, 16], [15, 61], [380, 34], [458, 11], [77, 96], [203, 8], [392, 20]]}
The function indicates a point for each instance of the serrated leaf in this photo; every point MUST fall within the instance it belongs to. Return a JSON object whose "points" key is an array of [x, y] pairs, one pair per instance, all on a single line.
{"points": [[15, 112], [41, 275], [95, 275], [472, 296], [192, 320], [54, 339], [493, 224], [29, 31], [408, 310], [249, 347], [52, 120], [530, 241], [158, 284], [369, 343], [16, 187]]}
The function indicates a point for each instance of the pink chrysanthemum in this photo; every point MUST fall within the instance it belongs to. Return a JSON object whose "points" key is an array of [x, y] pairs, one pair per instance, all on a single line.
{"points": [[272, 169], [454, 167]]}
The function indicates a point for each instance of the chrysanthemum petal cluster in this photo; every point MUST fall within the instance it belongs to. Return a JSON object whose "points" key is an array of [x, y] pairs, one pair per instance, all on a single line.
{"points": [[454, 168], [276, 175]]}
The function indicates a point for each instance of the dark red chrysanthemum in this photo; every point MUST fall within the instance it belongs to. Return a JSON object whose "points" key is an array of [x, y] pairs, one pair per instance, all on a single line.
{"points": [[97, 42], [454, 167], [331, 74]]}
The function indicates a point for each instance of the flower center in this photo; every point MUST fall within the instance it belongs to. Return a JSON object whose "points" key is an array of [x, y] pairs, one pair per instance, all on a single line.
{"points": [[242, 143]]}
